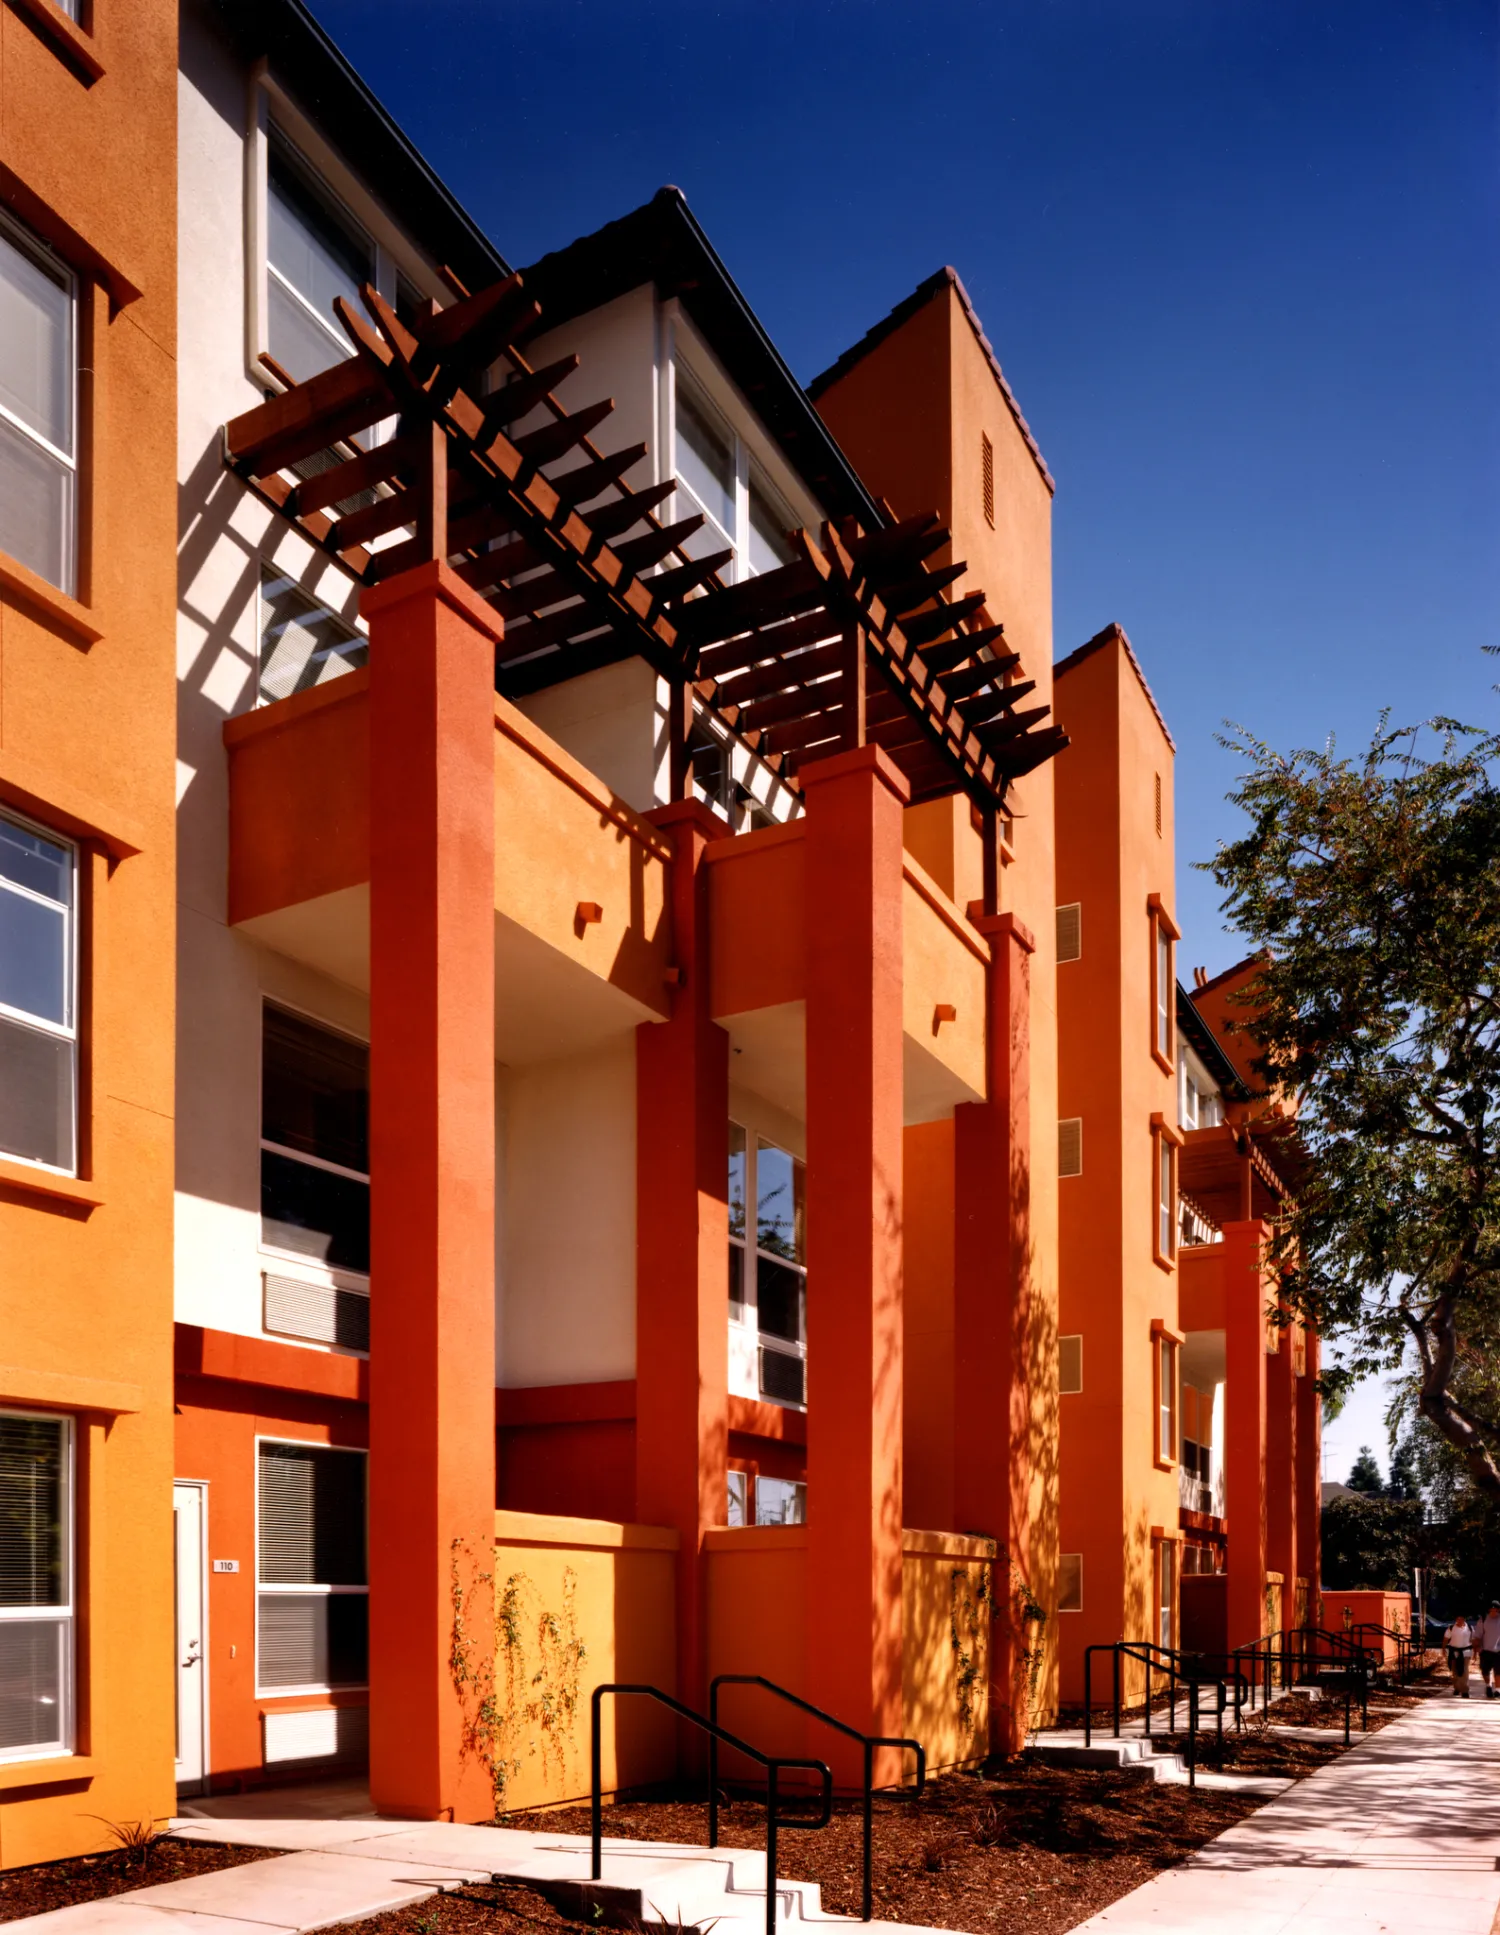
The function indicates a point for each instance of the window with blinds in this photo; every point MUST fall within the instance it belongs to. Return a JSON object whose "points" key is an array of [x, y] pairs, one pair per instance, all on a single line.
{"points": [[314, 1143], [312, 1586], [36, 1586]]}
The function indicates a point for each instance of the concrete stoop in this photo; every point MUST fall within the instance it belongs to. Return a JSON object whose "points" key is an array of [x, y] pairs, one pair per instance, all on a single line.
{"points": [[333, 1871]]}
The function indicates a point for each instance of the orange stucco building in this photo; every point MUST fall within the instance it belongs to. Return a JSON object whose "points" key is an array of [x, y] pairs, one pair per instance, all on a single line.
{"points": [[595, 1193], [88, 532]]}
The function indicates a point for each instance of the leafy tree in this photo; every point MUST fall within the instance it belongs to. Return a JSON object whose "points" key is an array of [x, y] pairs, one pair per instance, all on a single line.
{"points": [[1370, 1543], [1370, 887], [1405, 1481], [1365, 1475]]}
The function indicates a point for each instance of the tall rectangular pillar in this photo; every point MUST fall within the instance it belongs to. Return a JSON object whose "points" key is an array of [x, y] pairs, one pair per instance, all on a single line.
{"points": [[1281, 1469], [1245, 1428], [994, 1377], [432, 1187], [1310, 1476], [682, 1248], [854, 1240]]}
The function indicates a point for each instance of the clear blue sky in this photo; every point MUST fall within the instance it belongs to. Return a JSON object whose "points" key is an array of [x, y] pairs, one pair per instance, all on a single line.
{"points": [[1240, 260]]}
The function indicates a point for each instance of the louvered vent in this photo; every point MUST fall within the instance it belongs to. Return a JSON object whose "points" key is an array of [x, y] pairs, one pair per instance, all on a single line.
{"points": [[1069, 932], [1070, 1582], [783, 1378], [987, 466], [326, 1736], [1070, 1365], [1070, 1146], [319, 1312]]}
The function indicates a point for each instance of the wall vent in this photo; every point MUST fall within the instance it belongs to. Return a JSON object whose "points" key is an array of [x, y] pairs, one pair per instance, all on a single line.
{"points": [[1070, 1365], [783, 1377], [1070, 1582], [987, 467], [1069, 932], [319, 1313], [317, 1736], [1070, 1146]]}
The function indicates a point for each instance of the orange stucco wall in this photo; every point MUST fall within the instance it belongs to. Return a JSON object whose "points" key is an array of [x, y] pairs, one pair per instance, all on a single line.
{"points": [[1110, 857], [86, 747]]}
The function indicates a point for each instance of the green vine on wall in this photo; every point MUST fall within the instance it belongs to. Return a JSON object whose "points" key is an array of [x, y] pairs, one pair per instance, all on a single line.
{"points": [[1028, 1620], [532, 1714], [966, 1603]]}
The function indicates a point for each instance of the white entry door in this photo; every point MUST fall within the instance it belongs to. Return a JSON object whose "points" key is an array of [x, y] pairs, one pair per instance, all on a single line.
{"points": [[189, 1515]]}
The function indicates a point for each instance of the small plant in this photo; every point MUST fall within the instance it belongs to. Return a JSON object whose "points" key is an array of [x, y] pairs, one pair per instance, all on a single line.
{"points": [[940, 1851], [135, 1841], [986, 1827], [668, 1924]]}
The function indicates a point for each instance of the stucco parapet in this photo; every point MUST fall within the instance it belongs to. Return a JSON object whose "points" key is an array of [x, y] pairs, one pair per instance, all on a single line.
{"points": [[598, 1534], [744, 846], [263, 721], [858, 759], [530, 737], [946, 1545], [1007, 926], [755, 1538], [438, 581], [926, 888]]}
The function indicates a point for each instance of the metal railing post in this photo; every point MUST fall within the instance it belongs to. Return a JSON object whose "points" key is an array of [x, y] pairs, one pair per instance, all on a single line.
{"points": [[771, 1786], [1088, 1696], [713, 1768], [1148, 1696], [1115, 1657], [1192, 1725], [867, 1907], [596, 1831]]}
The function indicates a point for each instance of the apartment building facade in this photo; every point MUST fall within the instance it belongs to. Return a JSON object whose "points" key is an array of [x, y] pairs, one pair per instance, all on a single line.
{"points": [[87, 590], [617, 1228]]}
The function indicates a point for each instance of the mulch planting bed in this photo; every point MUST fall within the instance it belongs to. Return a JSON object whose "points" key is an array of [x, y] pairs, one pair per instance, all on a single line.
{"points": [[1022, 1849], [1296, 1710], [90, 1877]]}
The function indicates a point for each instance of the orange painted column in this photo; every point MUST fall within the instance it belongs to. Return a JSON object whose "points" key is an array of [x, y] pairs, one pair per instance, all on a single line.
{"points": [[854, 1239], [1281, 1470], [992, 1369], [432, 1182], [1310, 1476], [682, 1246], [1245, 1428]]}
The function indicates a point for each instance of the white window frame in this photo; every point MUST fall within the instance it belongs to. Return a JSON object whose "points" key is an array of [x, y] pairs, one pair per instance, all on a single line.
{"points": [[744, 1310], [64, 1614], [39, 1022], [301, 1692], [395, 256], [28, 242], [335, 1274]]}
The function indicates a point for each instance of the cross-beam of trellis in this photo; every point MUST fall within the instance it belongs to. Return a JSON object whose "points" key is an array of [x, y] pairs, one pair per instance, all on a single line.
{"points": [[438, 439]]}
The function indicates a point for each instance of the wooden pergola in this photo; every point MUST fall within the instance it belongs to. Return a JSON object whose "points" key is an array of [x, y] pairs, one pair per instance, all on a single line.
{"points": [[859, 639]]}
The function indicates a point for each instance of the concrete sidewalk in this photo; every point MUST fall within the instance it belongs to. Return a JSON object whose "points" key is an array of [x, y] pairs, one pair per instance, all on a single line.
{"points": [[1401, 1835]]}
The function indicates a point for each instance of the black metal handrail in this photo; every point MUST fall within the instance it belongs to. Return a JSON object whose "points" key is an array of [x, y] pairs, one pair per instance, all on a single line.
{"points": [[774, 1764], [869, 1742], [1194, 1670], [1408, 1646]]}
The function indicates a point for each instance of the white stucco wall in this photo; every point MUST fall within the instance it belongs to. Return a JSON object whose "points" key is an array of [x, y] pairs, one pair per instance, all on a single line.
{"points": [[566, 1283]]}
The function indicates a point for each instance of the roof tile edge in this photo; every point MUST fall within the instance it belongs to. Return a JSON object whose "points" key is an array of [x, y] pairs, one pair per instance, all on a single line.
{"points": [[1112, 634]]}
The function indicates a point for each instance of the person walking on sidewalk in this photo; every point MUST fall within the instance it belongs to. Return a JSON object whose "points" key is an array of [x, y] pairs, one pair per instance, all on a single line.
{"points": [[1459, 1640], [1488, 1639]]}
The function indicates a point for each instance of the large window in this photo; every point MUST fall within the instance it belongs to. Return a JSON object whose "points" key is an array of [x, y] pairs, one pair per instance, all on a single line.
{"points": [[315, 251], [1164, 1191], [1164, 1373], [38, 408], [312, 1586], [302, 643], [1163, 984], [36, 1586], [314, 1148], [717, 475], [38, 996], [768, 1262]]}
